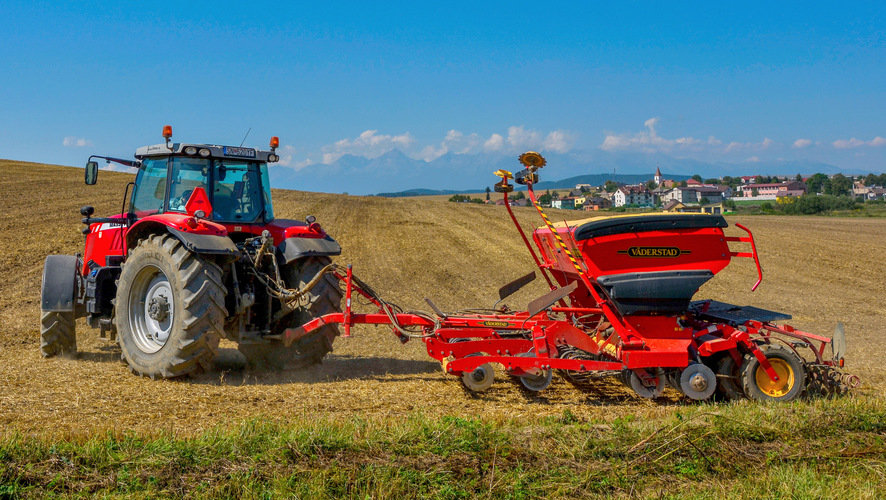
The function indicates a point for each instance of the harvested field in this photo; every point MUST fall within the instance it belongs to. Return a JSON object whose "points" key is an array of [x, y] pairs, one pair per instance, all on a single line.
{"points": [[821, 270]]}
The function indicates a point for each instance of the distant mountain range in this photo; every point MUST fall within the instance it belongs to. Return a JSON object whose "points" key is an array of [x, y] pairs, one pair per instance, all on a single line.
{"points": [[394, 173]]}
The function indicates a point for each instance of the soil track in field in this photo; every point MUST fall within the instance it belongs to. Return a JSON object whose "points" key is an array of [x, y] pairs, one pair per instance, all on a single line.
{"points": [[821, 270]]}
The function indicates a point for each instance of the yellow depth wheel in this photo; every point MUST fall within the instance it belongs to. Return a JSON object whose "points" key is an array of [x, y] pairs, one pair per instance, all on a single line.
{"points": [[775, 388], [789, 368]]}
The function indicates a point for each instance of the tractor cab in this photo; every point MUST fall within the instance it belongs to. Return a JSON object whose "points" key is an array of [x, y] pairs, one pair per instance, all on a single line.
{"points": [[234, 181]]}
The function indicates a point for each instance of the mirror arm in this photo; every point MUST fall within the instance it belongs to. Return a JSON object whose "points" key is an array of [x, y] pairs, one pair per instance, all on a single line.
{"points": [[126, 163]]}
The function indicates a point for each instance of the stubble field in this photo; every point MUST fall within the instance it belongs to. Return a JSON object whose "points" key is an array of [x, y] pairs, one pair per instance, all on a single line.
{"points": [[820, 270]]}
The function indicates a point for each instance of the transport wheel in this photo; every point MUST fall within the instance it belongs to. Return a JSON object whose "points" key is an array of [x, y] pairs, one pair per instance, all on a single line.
{"points": [[480, 379], [324, 298], [169, 309], [644, 391], [787, 365], [57, 335], [729, 379], [539, 381], [698, 382]]}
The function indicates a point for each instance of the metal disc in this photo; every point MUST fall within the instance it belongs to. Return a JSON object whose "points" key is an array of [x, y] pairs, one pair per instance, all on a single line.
{"points": [[838, 344], [644, 391], [480, 379], [698, 382], [538, 381]]}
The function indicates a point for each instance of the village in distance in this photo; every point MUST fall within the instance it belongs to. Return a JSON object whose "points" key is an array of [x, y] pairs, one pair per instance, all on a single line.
{"points": [[796, 195]]}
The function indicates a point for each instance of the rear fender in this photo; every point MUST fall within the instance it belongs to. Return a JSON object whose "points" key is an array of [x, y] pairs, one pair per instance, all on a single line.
{"points": [[206, 238], [62, 283], [295, 248], [299, 239]]}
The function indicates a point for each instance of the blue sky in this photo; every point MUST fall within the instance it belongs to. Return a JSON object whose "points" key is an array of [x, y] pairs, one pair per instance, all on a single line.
{"points": [[737, 83]]}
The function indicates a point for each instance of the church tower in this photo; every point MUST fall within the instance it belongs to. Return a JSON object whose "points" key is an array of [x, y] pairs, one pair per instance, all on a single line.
{"points": [[657, 177]]}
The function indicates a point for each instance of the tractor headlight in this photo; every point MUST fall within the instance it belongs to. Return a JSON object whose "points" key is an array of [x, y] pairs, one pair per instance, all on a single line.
{"points": [[191, 150], [273, 158], [204, 152]]}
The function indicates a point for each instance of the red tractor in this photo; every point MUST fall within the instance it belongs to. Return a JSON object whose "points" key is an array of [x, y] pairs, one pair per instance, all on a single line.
{"points": [[197, 256]]}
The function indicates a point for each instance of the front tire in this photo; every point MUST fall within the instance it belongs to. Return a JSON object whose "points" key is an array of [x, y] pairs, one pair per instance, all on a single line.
{"points": [[58, 292], [324, 298], [57, 334], [169, 310]]}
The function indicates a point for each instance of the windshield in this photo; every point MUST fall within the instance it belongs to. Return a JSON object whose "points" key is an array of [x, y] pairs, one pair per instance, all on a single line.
{"points": [[237, 193], [240, 190]]}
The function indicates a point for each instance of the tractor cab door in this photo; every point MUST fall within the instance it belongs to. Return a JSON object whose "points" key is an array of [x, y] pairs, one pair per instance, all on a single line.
{"points": [[149, 194], [187, 175]]}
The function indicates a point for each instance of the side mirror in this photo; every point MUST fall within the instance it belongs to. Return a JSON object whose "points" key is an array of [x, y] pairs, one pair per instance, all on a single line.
{"points": [[91, 173]]}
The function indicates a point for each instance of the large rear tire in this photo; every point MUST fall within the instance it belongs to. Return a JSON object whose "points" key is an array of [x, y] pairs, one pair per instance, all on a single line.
{"points": [[787, 364], [170, 309], [324, 298]]}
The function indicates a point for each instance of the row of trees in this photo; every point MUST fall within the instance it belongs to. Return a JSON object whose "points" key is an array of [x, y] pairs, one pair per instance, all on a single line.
{"points": [[812, 204]]}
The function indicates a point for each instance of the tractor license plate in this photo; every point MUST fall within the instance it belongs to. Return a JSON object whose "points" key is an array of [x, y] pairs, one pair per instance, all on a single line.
{"points": [[242, 152]]}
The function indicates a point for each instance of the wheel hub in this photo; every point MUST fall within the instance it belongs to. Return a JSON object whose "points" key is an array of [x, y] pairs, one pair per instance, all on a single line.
{"points": [[776, 388], [698, 382], [158, 308], [151, 310]]}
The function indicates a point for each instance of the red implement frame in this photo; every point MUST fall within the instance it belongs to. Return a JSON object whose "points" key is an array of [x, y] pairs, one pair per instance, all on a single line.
{"points": [[525, 342]]}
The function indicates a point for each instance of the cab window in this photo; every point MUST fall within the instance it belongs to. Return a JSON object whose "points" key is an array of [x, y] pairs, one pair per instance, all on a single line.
{"points": [[187, 175], [237, 191], [150, 191]]}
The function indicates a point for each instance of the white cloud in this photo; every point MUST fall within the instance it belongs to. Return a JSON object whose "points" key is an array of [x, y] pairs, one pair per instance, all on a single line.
{"points": [[559, 141], [520, 138], [753, 159], [650, 141], [76, 142], [876, 142], [369, 144], [763, 145], [494, 143], [455, 142], [286, 153], [851, 143], [802, 143]]}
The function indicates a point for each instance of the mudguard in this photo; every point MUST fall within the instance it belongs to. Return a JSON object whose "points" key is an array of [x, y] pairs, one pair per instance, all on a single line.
{"points": [[296, 248], [205, 243], [60, 283], [207, 238]]}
